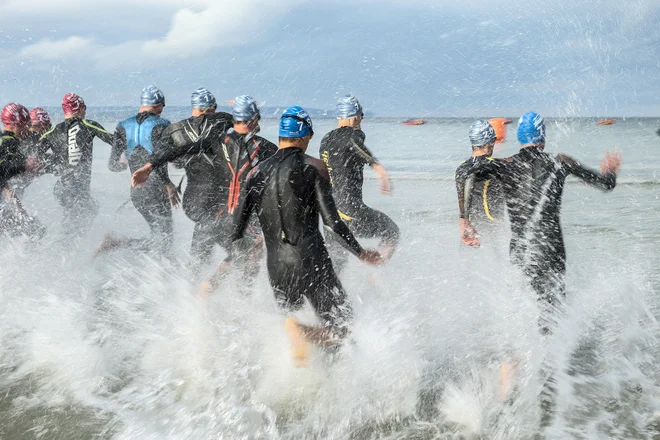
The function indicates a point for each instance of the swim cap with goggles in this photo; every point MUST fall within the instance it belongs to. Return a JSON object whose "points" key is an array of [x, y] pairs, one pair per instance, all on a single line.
{"points": [[295, 123]]}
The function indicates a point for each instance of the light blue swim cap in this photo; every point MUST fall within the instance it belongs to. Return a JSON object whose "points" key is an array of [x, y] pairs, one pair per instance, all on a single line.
{"points": [[202, 99], [152, 95], [531, 129], [295, 123], [348, 107], [482, 133], [245, 108]]}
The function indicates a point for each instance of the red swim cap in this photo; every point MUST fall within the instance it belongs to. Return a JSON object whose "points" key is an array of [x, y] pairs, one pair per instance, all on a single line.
{"points": [[72, 104], [39, 116], [15, 115]]}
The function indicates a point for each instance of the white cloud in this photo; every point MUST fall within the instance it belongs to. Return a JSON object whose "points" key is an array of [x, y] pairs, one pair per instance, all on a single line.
{"points": [[52, 50], [196, 28]]}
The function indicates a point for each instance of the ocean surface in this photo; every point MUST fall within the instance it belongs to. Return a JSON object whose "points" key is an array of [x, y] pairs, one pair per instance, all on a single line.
{"points": [[120, 347]]}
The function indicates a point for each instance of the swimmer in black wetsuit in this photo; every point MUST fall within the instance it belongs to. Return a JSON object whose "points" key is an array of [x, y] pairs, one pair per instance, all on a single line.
{"points": [[345, 155], [71, 143], [137, 138], [14, 219], [196, 143], [533, 185], [223, 159], [486, 211], [39, 124], [288, 192]]}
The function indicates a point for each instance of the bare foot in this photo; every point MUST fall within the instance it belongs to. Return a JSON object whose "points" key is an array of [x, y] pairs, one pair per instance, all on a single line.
{"points": [[300, 346], [109, 243]]}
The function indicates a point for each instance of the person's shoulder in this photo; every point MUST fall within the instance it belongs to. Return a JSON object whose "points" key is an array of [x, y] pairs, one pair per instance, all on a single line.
{"points": [[464, 166], [318, 165], [265, 143], [220, 119], [565, 159]]}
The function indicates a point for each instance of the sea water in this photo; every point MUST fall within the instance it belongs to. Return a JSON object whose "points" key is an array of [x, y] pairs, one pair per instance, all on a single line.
{"points": [[120, 347]]}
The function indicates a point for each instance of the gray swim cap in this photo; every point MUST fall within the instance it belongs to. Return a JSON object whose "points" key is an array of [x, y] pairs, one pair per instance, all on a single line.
{"points": [[482, 133], [152, 95], [245, 108], [202, 99], [348, 107]]}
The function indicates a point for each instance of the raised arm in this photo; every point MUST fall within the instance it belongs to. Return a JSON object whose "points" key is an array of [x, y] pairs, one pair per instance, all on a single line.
{"points": [[609, 166], [99, 131]]}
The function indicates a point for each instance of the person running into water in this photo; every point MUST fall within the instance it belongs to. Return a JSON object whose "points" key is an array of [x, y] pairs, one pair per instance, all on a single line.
{"points": [[232, 152], [533, 183], [14, 219], [486, 211], [71, 143], [345, 154], [137, 138], [288, 192], [39, 124]]}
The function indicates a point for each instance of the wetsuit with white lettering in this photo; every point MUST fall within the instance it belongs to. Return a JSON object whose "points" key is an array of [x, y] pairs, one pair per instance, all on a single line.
{"points": [[138, 137], [345, 154], [288, 192], [71, 143]]}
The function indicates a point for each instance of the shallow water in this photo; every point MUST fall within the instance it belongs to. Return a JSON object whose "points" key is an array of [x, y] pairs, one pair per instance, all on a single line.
{"points": [[119, 347]]}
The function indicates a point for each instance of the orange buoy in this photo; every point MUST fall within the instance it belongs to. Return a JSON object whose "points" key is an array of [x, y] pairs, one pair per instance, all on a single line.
{"points": [[606, 121], [499, 126]]}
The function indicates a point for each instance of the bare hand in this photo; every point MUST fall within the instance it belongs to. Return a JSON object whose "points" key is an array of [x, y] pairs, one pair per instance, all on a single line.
{"points": [[33, 164], [141, 175], [371, 256], [468, 233], [611, 163], [173, 194], [385, 186]]}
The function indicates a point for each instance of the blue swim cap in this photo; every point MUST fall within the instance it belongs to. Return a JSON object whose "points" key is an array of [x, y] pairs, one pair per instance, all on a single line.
{"points": [[202, 99], [482, 133], [348, 107], [152, 95], [295, 123], [245, 108], [531, 129]]}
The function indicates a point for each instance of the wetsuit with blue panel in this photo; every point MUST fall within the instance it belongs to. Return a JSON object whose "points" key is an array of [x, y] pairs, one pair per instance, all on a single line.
{"points": [[138, 138]]}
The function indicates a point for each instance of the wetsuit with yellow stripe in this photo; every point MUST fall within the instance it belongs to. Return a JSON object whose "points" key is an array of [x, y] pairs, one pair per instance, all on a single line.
{"points": [[487, 207], [71, 143], [345, 154]]}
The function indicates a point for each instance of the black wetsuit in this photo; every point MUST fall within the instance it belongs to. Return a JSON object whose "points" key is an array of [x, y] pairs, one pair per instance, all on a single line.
{"points": [[533, 184], [345, 155], [151, 198], [71, 143], [14, 221], [288, 192], [217, 161], [486, 211]]}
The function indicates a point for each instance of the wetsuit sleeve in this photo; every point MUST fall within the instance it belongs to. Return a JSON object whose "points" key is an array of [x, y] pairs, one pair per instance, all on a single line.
{"points": [[170, 152], [99, 131], [246, 204], [360, 150], [10, 166], [158, 133], [464, 183], [118, 148], [605, 182], [330, 216]]}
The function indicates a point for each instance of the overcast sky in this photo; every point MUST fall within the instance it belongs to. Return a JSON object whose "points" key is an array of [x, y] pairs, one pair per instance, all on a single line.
{"points": [[400, 57]]}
